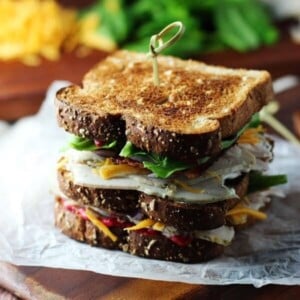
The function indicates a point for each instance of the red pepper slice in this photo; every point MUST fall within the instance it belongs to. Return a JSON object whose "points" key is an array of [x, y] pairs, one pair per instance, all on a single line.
{"points": [[148, 231], [181, 240], [114, 222], [98, 143]]}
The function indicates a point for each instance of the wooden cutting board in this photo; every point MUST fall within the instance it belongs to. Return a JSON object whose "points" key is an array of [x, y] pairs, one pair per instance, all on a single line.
{"points": [[23, 88], [34, 283]]}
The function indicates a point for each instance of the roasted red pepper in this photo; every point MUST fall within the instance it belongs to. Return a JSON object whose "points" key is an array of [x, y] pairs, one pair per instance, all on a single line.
{"points": [[181, 240], [115, 222]]}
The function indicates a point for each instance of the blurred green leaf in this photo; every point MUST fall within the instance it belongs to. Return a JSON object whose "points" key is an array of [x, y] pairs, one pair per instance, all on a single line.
{"points": [[211, 25]]}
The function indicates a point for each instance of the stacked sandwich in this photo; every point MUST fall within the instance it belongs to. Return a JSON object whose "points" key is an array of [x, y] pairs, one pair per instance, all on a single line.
{"points": [[164, 171]]}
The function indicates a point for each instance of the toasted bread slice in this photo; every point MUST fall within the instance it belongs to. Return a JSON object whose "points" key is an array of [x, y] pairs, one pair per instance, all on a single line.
{"points": [[187, 115]]}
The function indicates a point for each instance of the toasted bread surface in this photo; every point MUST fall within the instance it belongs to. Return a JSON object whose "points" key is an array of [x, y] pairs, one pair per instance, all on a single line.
{"points": [[193, 98]]}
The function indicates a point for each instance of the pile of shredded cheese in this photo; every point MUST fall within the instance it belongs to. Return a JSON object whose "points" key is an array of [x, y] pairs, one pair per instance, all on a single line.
{"points": [[31, 29]]}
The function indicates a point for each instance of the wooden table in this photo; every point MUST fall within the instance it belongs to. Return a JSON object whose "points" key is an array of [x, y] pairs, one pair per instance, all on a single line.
{"points": [[22, 91]]}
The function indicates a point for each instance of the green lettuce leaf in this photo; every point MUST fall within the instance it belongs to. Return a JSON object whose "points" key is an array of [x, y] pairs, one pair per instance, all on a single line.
{"points": [[161, 166], [259, 181], [80, 143], [254, 122]]}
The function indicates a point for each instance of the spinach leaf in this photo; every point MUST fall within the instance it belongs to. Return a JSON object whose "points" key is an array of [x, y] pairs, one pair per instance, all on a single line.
{"points": [[259, 181], [80, 143], [254, 122], [161, 166]]}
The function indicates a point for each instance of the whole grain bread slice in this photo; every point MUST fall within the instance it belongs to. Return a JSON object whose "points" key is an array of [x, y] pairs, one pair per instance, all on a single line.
{"points": [[186, 116]]}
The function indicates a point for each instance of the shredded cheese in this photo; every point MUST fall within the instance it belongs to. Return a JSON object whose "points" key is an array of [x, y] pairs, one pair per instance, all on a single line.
{"points": [[110, 170], [31, 28], [240, 213], [61, 163], [187, 187], [102, 227], [147, 223], [251, 136], [158, 226], [89, 36], [143, 224]]}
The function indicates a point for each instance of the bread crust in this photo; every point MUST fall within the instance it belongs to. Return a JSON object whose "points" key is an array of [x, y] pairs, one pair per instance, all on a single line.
{"points": [[172, 144], [82, 122], [187, 217], [187, 116], [120, 201], [84, 231], [160, 247]]}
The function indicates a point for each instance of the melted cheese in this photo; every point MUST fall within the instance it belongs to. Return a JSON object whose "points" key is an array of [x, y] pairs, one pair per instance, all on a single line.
{"points": [[102, 227], [251, 136], [110, 170]]}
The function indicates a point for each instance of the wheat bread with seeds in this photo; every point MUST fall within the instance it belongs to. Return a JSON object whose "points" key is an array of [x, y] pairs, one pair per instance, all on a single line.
{"points": [[82, 230], [186, 116]]}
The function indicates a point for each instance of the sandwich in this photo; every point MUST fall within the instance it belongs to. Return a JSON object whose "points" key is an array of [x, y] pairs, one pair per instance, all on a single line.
{"points": [[167, 172]]}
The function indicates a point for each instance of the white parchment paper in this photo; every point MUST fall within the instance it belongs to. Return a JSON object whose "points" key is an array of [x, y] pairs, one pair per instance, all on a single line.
{"points": [[268, 252]]}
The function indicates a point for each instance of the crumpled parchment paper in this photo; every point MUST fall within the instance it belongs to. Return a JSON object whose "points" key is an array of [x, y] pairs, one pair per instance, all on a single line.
{"points": [[268, 252]]}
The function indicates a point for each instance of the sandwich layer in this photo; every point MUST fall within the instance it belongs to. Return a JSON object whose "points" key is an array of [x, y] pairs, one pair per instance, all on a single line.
{"points": [[123, 201], [140, 239], [183, 216], [81, 229], [186, 117], [148, 238]]}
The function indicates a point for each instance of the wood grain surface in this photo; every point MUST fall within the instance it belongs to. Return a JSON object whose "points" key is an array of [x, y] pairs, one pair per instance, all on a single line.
{"points": [[22, 90], [37, 283]]}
